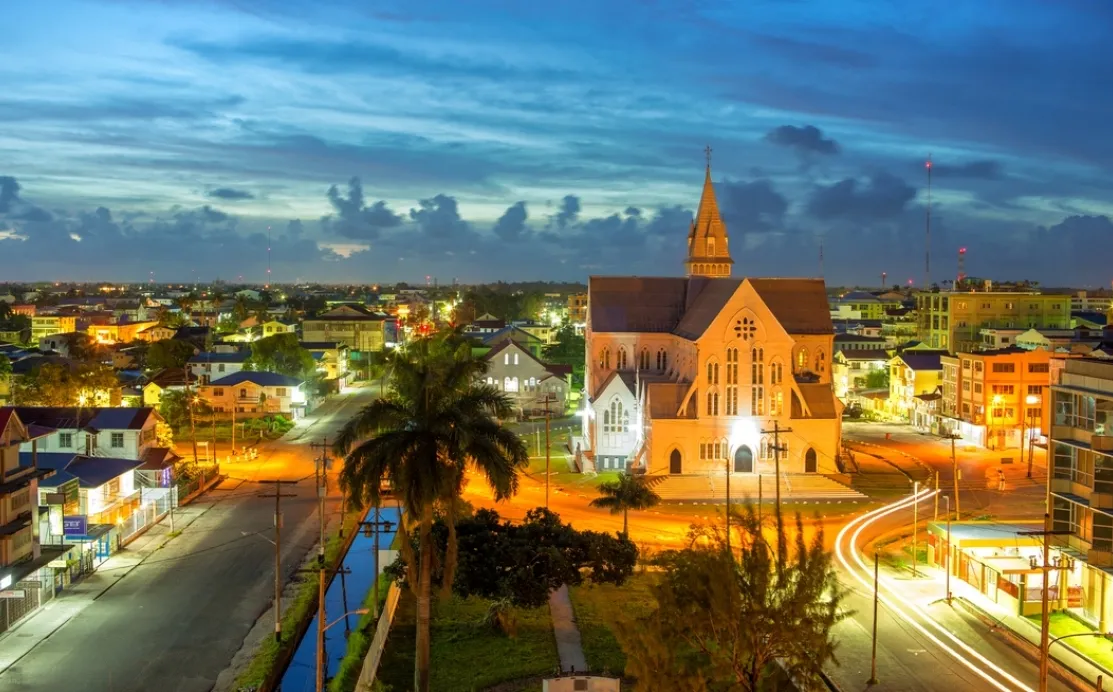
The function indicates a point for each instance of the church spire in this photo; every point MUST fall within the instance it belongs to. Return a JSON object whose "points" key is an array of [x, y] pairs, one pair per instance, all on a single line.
{"points": [[708, 254]]}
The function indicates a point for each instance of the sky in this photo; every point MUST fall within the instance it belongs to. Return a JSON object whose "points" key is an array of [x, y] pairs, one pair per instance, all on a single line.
{"points": [[498, 139]]}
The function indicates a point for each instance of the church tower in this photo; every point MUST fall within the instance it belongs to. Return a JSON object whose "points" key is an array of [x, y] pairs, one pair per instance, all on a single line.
{"points": [[708, 254]]}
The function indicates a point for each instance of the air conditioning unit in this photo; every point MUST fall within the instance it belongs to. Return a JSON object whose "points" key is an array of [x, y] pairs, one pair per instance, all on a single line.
{"points": [[581, 683]]}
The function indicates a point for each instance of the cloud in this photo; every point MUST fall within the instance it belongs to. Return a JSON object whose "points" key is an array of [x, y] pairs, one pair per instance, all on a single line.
{"points": [[569, 211], [753, 207], [229, 194], [512, 224], [884, 196], [354, 219], [804, 141], [978, 170], [9, 193], [439, 218]]}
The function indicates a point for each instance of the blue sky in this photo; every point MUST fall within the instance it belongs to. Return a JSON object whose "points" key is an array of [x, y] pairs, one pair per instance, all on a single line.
{"points": [[490, 139]]}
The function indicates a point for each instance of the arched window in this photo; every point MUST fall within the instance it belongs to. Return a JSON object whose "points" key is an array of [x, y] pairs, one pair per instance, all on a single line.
{"points": [[732, 382], [662, 360], [605, 358], [621, 358], [643, 359], [616, 419], [820, 360], [710, 247], [802, 359], [778, 404]]}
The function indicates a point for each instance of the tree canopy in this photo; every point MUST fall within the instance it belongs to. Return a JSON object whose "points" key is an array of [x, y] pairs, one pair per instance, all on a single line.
{"points": [[56, 384], [727, 622], [283, 354], [169, 353], [627, 492]]}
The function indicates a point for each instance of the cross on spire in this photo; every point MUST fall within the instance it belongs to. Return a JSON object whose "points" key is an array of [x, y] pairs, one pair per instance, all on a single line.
{"points": [[707, 152]]}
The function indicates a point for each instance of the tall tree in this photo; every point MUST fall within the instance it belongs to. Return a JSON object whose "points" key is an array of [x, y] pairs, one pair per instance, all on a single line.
{"points": [[283, 354], [54, 384], [169, 353], [242, 308], [434, 423], [725, 622], [628, 492]]}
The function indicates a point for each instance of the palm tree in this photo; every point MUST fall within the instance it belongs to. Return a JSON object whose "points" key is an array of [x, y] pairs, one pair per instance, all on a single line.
{"points": [[622, 495], [434, 423], [242, 308]]}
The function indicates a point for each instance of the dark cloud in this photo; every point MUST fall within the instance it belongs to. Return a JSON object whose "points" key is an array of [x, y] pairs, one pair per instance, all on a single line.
{"points": [[439, 218], [9, 193], [804, 140], [978, 170], [355, 220], [16, 208], [511, 226], [883, 196], [569, 211], [753, 207], [230, 194]]}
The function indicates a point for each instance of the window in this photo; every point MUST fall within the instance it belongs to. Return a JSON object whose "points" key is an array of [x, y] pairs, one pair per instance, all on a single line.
{"points": [[778, 403], [65, 440], [966, 385], [732, 382], [1004, 389], [1035, 389], [218, 391], [506, 359], [662, 360], [116, 440], [802, 359], [819, 361], [978, 366], [965, 363], [605, 358], [280, 391], [1004, 367], [510, 384], [710, 247], [1038, 367], [621, 358], [712, 403], [977, 387], [643, 359], [220, 367], [615, 418], [243, 393]]}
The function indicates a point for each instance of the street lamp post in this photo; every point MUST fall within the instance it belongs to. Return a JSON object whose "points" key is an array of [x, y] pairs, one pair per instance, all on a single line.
{"points": [[915, 521], [995, 403], [1031, 400], [321, 641]]}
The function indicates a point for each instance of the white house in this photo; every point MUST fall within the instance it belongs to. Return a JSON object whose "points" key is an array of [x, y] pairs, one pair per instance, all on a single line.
{"points": [[250, 393], [209, 365], [119, 432]]}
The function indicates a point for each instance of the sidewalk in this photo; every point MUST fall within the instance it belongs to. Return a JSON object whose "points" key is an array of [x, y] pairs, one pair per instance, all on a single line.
{"points": [[74, 598], [569, 644]]}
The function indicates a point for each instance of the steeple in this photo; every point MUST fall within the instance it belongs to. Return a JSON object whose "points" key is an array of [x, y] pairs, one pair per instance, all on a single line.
{"points": [[708, 253]]}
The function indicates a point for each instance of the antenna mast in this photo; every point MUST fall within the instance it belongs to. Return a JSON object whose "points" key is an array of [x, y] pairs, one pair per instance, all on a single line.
{"points": [[927, 230], [268, 282], [961, 267]]}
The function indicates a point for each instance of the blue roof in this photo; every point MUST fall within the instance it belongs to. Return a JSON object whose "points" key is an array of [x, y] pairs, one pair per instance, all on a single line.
{"points": [[90, 472], [263, 379], [211, 357]]}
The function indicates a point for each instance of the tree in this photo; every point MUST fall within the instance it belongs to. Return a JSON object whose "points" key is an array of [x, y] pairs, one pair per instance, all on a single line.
{"points": [[82, 348], [434, 423], [55, 384], [570, 349], [186, 303], [724, 623], [283, 354], [877, 379], [622, 495], [169, 353], [5, 365], [242, 308]]}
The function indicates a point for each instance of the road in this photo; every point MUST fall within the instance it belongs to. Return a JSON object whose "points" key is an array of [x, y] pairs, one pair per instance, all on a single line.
{"points": [[176, 621], [923, 643]]}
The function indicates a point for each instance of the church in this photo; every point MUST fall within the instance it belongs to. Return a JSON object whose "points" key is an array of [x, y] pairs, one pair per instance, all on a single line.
{"points": [[700, 374]]}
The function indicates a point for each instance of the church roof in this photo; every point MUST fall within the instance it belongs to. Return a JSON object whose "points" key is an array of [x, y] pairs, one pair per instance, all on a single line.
{"points": [[665, 398], [706, 305], [819, 399], [800, 305], [708, 220], [636, 304]]}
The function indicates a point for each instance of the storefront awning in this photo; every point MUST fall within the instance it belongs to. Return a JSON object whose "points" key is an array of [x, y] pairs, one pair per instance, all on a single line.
{"points": [[48, 553]]}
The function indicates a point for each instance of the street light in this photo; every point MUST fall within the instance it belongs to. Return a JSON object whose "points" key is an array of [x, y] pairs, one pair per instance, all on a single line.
{"points": [[994, 403], [1031, 400], [321, 641]]}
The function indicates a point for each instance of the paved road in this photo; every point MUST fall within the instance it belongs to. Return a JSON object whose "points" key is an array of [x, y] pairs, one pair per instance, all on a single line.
{"points": [[175, 622]]}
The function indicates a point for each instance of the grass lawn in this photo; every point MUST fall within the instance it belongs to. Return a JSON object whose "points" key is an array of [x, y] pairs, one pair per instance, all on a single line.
{"points": [[467, 657], [598, 609], [1095, 648]]}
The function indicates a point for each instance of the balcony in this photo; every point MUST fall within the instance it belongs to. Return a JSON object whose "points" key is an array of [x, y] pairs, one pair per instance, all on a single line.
{"points": [[1102, 443], [1099, 558]]}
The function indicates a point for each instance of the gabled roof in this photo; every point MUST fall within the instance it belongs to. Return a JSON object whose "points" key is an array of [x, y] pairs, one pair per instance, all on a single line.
{"points": [[74, 418], [172, 377], [348, 312], [506, 334], [158, 458], [800, 305], [90, 472], [923, 360], [557, 370], [635, 304], [262, 379], [864, 354], [820, 400], [704, 306]]}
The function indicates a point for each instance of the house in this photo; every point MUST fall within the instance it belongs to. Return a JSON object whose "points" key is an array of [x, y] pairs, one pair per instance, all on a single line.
{"points": [[158, 332], [272, 327], [210, 365], [358, 328], [168, 379], [544, 333], [914, 373], [119, 333], [852, 371], [577, 308], [24, 564], [251, 394], [528, 382], [511, 333], [852, 342], [484, 324], [108, 431], [331, 359], [698, 375], [45, 325]]}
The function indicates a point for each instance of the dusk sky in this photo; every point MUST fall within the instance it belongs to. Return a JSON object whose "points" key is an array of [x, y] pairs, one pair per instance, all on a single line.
{"points": [[486, 140]]}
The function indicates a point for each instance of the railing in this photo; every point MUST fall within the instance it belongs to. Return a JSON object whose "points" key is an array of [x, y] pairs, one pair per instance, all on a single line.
{"points": [[378, 643]]}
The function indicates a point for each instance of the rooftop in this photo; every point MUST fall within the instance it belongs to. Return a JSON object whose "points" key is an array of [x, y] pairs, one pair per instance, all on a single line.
{"points": [[263, 379]]}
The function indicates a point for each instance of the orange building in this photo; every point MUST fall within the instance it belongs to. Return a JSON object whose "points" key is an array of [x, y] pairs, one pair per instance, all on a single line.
{"points": [[994, 399], [27, 310]]}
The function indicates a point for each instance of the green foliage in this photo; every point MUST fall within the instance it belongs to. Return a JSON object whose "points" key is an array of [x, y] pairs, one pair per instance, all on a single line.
{"points": [[54, 384], [625, 493], [228, 325], [5, 364], [569, 349], [519, 564], [11, 322], [282, 354], [723, 622], [877, 379], [81, 347], [174, 408], [169, 353]]}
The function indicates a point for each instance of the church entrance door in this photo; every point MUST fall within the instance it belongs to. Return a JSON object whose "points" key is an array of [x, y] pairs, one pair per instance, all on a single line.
{"points": [[743, 460], [675, 467]]}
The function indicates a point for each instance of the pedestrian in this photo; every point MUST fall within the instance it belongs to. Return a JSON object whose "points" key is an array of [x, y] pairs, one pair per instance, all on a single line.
{"points": [[1001, 480]]}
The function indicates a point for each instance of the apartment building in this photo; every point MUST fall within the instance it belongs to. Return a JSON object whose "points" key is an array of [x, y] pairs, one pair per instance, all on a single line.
{"points": [[354, 326], [577, 308], [996, 399], [953, 320], [914, 380], [45, 325], [1081, 488]]}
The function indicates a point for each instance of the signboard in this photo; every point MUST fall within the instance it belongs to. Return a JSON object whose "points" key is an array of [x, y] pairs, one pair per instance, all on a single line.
{"points": [[75, 525], [55, 498], [14, 593]]}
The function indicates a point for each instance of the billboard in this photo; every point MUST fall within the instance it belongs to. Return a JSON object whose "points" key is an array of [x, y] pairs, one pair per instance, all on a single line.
{"points": [[75, 525]]}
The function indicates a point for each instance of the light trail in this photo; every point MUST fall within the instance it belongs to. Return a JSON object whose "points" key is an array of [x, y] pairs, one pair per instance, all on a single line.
{"points": [[856, 526]]}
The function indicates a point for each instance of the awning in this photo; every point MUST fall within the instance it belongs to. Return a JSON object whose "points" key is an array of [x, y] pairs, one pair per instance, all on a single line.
{"points": [[47, 554]]}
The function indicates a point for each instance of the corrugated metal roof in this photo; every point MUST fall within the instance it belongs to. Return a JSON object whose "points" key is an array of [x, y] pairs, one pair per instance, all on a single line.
{"points": [[263, 379], [635, 304]]}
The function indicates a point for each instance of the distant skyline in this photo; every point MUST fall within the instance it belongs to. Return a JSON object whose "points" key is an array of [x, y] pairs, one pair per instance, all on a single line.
{"points": [[386, 141]]}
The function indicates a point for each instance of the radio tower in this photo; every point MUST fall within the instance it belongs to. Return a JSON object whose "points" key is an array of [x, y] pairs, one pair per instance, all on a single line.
{"points": [[961, 267], [268, 283], [884, 276], [927, 230]]}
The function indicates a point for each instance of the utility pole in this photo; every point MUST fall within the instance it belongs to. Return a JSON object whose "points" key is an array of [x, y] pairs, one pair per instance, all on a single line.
{"points": [[189, 405], [947, 555], [955, 473], [373, 528], [321, 480], [915, 521], [873, 655], [547, 400], [278, 495], [936, 497], [1045, 616], [777, 451]]}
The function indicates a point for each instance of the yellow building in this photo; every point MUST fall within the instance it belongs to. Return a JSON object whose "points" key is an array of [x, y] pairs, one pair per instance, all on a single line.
{"points": [[998, 398], [117, 333], [577, 308], [861, 305], [45, 325], [952, 320], [913, 376], [352, 325]]}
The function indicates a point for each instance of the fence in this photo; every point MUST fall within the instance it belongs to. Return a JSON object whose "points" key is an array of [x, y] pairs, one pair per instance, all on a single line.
{"points": [[375, 652], [204, 475], [153, 503]]}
